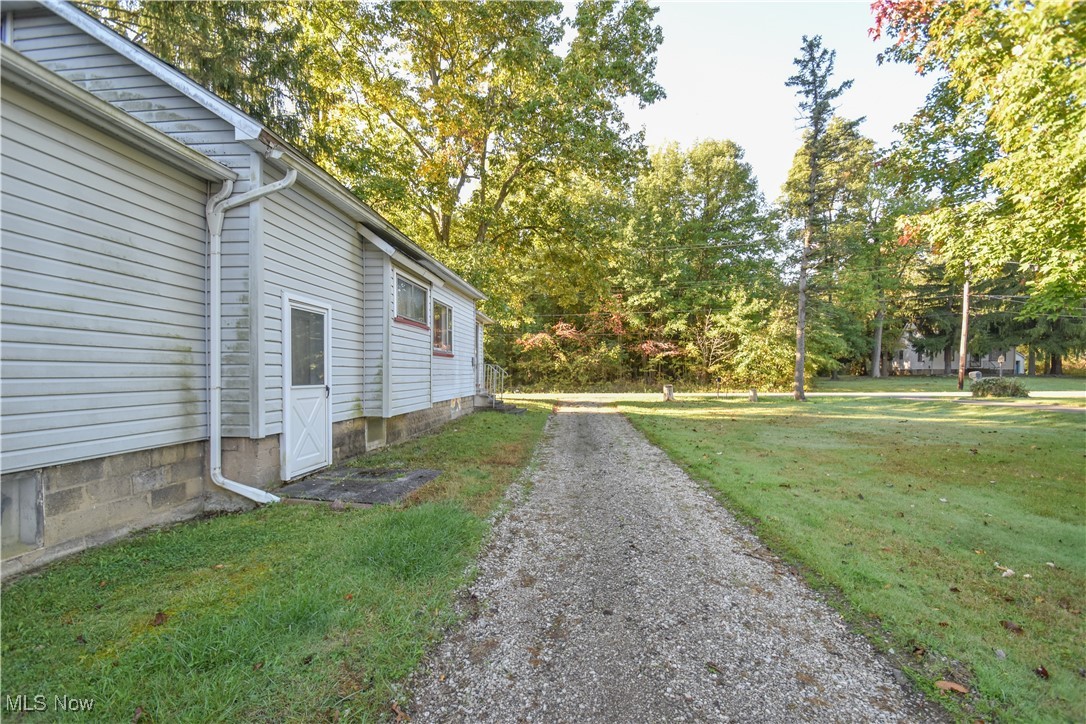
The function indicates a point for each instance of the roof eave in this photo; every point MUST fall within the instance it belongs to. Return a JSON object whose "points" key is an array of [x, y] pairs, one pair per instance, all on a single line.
{"points": [[50, 88]]}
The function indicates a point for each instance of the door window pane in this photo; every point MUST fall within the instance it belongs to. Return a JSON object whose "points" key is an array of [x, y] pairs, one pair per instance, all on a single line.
{"points": [[306, 347]]}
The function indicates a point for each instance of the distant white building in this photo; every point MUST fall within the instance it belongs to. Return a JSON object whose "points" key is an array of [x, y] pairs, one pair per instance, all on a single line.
{"points": [[909, 361]]}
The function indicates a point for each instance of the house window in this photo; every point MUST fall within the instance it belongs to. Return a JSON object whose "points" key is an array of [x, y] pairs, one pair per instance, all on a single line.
{"points": [[442, 329], [410, 301]]}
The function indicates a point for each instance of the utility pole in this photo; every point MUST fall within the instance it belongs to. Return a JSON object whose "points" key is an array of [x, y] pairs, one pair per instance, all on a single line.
{"points": [[962, 351]]}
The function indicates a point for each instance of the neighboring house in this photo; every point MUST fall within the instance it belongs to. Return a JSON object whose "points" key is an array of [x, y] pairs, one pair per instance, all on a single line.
{"points": [[188, 299], [909, 361]]}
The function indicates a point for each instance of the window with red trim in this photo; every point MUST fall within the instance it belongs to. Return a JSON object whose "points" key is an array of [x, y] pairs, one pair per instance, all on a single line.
{"points": [[442, 329]]}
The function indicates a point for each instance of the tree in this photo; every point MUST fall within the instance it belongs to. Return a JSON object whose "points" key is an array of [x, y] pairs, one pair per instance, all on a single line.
{"points": [[812, 82], [699, 228], [460, 112], [253, 54], [492, 133], [1014, 73]]}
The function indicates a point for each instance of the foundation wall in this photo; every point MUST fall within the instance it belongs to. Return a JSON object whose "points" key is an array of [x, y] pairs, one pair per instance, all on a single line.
{"points": [[420, 422], [65, 509], [90, 502]]}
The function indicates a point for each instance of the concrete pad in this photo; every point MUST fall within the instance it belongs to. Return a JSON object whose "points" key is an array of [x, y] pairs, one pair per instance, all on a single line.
{"points": [[351, 485]]}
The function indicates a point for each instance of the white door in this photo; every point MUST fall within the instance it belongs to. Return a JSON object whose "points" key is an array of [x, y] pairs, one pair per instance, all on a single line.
{"points": [[307, 421]]}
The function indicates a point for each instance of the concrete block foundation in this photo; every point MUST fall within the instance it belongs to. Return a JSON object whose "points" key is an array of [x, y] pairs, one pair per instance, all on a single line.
{"points": [[56, 511]]}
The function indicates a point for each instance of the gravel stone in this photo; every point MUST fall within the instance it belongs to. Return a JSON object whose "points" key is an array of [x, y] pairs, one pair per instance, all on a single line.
{"points": [[616, 589]]}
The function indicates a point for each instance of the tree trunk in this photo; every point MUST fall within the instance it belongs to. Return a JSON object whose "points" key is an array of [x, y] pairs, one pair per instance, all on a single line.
{"points": [[948, 358], [876, 355], [1031, 364], [962, 348], [801, 319], [1056, 365]]}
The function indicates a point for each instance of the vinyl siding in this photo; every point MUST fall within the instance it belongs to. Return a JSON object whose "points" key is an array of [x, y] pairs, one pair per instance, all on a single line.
{"points": [[377, 309], [411, 355], [454, 376], [101, 294], [70, 53], [313, 251]]}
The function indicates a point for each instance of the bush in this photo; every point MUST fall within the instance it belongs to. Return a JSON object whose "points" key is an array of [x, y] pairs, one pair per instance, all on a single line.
{"points": [[998, 387]]}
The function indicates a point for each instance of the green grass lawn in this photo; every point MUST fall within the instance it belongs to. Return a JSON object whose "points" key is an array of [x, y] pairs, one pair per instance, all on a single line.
{"points": [[905, 508], [919, 383], [286, 613]]}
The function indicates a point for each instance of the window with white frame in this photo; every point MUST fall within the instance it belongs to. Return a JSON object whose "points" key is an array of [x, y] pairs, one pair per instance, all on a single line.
{"points": [[410, 300], [442, 328]]}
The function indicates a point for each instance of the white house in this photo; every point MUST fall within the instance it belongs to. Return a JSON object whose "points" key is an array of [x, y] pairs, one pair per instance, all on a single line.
{"points": [[190, 305], [909, 361]]}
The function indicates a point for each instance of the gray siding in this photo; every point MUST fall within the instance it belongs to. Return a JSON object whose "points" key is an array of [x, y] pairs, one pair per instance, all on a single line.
{"points": [[314, 251], [102, 294], [454, 376], [377, 309], [68, 52], [412, 348]]}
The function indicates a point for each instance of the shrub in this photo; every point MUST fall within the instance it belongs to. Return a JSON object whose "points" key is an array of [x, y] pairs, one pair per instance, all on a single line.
{"points": [[998, 387]]}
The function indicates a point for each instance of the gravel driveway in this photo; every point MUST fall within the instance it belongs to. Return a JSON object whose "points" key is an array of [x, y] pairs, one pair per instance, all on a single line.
{"points": [[615, 589]]}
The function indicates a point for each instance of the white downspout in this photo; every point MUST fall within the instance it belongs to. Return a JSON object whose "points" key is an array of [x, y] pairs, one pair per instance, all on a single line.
{"points": [[217, 206]]}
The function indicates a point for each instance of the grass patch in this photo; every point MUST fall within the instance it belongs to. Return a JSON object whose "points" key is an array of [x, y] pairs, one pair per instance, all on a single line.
{"points": [[939, 383], [905, 508], [285, 613]]}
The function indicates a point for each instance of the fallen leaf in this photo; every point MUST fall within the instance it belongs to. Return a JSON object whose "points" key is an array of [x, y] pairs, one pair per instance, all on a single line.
{"points": [[139, 713], [1012, 627], [159, 619], [944, 624], [1041, 671], [400, 715], [348, 597], [258, 666], [951, 686], [80, 640], [919, 651], [102, 584], [955, 589], [218, 566], [307, 659]]}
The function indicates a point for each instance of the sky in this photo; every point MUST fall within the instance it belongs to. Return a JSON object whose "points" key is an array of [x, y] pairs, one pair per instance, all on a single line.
{"points": [[724, 66]]}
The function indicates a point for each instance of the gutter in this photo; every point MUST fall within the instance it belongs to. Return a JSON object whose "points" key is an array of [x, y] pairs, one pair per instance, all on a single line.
{"points": [[217, 206]]}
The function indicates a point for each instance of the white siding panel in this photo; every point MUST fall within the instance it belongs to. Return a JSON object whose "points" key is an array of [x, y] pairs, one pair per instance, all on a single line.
{"points": [[68, 52], [453, 377], [101, 294], [376, 308], [409, 378], [313, 251]]}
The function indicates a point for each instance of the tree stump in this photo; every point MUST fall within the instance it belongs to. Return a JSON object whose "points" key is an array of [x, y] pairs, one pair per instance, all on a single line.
{"points": [[669, 393], [753, 395]]}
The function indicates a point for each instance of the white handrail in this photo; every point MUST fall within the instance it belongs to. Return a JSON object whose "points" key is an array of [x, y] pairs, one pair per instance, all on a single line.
{"points": [[495, 381]]}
